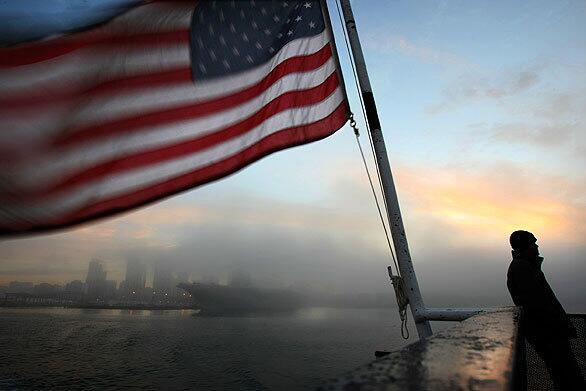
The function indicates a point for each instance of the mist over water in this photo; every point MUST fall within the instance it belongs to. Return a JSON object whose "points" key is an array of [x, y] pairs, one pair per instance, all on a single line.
{"points": [[70, 349]]}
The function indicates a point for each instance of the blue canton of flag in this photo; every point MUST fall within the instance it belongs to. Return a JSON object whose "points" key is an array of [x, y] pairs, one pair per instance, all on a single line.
{"points": [[233, 36]]}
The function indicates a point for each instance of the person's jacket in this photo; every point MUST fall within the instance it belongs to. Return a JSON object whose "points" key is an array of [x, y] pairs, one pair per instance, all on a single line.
{"points": [[543, 315]]}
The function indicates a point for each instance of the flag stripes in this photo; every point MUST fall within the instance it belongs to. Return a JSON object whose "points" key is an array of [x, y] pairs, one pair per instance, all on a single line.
{"points": [[77, 165], [301, 119]]}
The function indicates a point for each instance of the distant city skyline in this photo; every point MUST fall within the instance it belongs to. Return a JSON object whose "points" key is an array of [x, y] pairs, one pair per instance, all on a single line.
{"points": [[163, 277]]}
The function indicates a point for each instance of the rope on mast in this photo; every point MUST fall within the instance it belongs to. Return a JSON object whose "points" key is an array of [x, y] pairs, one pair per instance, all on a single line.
{"points": [[396, 279], [357, 133], [402, 301], [380, 214]]}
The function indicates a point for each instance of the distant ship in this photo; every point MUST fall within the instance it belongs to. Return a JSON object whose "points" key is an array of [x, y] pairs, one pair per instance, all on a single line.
{"points": [[230, 300]]}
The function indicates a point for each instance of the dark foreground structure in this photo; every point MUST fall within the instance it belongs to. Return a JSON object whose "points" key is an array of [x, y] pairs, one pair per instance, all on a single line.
{"points": [[484, 352]]}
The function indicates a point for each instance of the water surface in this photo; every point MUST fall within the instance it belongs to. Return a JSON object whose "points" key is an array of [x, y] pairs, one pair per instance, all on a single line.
{"points": [[68, 349]]}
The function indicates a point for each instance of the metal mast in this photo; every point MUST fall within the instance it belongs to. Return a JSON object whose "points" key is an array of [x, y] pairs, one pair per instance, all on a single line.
{"points": [[390, 193]]}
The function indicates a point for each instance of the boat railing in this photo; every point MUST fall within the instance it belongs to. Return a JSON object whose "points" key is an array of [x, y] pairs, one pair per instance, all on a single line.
{"points": [[536, 375], [486, 351]]}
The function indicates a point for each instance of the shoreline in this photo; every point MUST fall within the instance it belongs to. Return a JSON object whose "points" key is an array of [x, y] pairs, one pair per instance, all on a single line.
{"points": [[104, 307]]}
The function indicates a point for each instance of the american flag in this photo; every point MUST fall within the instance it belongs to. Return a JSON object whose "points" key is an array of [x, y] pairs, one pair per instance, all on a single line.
{"points": [[162, 98]]}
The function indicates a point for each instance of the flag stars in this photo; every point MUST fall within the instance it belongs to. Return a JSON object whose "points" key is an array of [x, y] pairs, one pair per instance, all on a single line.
{"points": [[239, 34]]}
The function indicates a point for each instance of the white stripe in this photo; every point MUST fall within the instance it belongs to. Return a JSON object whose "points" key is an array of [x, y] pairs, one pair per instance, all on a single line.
{"points": [[31, 129], [92, 65], [129, 181], [41, 172]]}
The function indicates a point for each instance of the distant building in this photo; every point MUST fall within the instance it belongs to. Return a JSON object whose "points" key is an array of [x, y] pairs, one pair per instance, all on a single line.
{"points": [[96, 281], [111, 291], [135, 281], [74, 290], [163, 280], [20, 287], [75, 287], [46, 290]]}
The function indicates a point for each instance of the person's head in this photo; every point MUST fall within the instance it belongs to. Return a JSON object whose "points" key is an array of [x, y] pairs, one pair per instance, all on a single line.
{"points": [[524, 243]]}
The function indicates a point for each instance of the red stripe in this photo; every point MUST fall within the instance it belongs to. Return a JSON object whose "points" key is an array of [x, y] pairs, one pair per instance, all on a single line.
{"points": [[176, 114], [42, 51], [284, 139], [159, 155]]}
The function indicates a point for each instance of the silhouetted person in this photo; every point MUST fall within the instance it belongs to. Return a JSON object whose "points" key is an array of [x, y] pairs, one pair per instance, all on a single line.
{"points": [[546, 325]]}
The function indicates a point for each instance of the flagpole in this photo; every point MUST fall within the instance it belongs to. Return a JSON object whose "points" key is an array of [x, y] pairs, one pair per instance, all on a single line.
{"points": [[388, 184]]}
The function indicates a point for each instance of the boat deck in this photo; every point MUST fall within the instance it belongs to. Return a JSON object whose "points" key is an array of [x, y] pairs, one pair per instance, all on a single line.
{"points": [[484, 352]]}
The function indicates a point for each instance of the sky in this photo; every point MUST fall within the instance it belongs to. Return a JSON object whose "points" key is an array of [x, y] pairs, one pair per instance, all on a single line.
{"points": [[483, 110]]}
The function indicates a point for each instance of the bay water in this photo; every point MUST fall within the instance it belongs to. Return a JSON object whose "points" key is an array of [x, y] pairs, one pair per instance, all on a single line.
{"points": [[87, 349]]}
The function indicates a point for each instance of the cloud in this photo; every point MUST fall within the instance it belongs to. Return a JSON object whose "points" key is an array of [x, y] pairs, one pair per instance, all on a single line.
{"points": [[558, 105], [474, 88], [399, 44], [546, 136], [553, 122]]}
